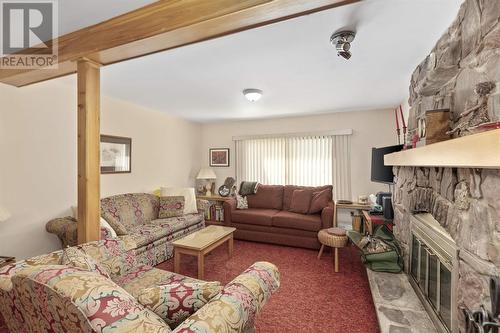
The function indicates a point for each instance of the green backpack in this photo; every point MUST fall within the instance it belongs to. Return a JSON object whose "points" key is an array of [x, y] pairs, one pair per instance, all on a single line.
{"points": [[390, 261]]}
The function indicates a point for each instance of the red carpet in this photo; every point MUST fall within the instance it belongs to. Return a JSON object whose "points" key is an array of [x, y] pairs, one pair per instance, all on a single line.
{"points": [[312, 298]]}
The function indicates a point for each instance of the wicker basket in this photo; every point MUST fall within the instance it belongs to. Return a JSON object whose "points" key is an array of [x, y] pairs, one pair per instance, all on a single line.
{"points": [[332, 240]]}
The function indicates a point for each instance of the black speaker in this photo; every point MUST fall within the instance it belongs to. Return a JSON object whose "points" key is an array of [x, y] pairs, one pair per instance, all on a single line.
{"points": [[388, 211], [380, 197]]}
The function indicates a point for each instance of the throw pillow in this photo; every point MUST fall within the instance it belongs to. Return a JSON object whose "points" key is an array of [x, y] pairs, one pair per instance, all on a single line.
{"points": [[104, 224], [241, 202], [319, 201], [171, 207], [75, 257], [109, 229], [188, 194], [115, 224], [301, 199], [177, 301]]}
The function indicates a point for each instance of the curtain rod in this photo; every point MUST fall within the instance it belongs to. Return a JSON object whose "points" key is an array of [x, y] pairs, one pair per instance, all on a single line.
{"points": [[281, 135]]}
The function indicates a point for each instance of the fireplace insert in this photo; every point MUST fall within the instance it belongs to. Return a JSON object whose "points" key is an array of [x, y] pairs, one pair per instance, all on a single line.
{"points": [[433, 270]]}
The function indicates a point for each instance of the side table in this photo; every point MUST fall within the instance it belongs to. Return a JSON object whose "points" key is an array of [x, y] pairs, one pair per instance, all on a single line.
{"points": [[351, 206], [215, 215]]}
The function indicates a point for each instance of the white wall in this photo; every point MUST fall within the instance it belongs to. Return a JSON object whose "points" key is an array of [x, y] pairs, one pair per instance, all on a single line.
{"points": [[371, 129], [38, 157]]}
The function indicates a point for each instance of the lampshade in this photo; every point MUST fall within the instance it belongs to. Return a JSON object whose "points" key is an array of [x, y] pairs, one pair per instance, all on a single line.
{"points": [[206, 173], [4, 214]]}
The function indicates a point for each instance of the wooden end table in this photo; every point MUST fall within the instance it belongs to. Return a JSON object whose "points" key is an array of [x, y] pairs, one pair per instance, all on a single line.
{"points": [[202, 242], [349, 206]]}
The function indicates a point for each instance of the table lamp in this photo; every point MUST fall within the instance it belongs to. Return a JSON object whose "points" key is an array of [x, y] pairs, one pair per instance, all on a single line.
{"points": [[4, 214], [207, 174]]}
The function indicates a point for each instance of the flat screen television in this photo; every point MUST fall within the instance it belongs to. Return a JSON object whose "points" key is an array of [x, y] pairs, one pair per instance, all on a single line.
{"points": [[380, 172]]}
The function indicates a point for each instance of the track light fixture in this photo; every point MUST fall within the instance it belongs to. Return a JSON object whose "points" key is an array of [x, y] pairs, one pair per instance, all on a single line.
{"points": [[342, 42]]}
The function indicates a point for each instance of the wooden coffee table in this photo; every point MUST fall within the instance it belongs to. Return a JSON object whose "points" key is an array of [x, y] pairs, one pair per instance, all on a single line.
{"points": [[200, 243]]}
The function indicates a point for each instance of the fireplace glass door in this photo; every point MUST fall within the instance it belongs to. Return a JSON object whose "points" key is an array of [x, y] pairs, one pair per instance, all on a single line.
{"points": [[445, 295], [415, 258], [433, 278]]}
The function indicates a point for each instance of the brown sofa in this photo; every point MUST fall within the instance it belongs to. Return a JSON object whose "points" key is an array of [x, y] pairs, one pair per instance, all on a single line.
{"points": [[269, 219]]}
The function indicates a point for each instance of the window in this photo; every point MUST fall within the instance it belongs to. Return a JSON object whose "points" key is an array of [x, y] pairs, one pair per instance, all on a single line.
{"points": [[306, 160]]}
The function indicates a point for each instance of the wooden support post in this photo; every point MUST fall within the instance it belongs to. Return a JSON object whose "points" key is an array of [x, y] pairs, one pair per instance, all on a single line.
{"points": [[88, 151]]}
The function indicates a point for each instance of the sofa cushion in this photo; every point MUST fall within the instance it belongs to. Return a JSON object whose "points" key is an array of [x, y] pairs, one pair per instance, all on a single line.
{"points": [[75, 257], [254, 216], [288, 192], [145, 234], [130, 209], [267, 196], [320, 200], [112, 254], [301, 200], [144, 276], [178, 223], [292, 220], [175, 302], [171, 207]]}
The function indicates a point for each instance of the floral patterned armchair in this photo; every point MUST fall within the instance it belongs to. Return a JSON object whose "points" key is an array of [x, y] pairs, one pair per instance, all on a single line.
{"points": [[41, 295]]}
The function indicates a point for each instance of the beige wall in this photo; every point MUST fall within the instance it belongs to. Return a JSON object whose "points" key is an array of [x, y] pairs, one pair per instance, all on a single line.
{"points": [[370, 129], [38, 157], [165, 150], [38, 153]]}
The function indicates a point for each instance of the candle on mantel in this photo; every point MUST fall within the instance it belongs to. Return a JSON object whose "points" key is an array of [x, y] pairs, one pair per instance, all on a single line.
{"points": [[402, 117]]}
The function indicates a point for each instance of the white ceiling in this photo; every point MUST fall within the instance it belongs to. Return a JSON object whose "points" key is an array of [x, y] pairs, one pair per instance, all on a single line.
{"points": [[292, 62]]}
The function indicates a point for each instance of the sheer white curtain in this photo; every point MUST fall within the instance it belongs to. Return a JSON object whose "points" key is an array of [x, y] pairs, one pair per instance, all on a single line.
{"points": [[307, 160], [261, 160]]}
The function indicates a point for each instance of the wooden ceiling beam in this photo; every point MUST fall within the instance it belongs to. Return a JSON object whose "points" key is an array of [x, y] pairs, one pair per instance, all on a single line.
{"points": [[164, 25]]}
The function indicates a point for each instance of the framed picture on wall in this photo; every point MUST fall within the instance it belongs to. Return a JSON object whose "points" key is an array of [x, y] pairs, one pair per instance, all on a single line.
{"points": [[219, 157], [116, 154]]}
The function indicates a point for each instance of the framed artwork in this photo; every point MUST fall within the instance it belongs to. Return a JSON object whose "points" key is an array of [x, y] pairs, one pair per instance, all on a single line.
{"points": [[219, 157], [116, 154]]}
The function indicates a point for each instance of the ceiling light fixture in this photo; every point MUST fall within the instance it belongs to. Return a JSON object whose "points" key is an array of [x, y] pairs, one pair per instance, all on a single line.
{"points": [[342, 41], [253, 95]]}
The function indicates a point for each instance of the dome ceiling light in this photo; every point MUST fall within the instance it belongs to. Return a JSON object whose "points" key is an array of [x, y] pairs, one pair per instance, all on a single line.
{"points": [[253, 95]]}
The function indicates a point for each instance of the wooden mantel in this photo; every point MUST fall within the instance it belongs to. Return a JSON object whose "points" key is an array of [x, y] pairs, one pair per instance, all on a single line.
{"points": [[480, 150], [161, 26]]}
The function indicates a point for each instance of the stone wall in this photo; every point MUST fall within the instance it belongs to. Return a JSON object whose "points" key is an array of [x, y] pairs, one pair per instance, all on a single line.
{"points": [[460, 74], [468, 54]]}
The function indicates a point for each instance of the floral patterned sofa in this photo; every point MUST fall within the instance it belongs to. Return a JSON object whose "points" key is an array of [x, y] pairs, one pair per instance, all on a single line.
{"points": [[42, 295], [134, 218]]}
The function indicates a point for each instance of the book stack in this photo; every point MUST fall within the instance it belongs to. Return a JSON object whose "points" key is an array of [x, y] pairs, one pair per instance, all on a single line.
{"points": [[215, 213]]}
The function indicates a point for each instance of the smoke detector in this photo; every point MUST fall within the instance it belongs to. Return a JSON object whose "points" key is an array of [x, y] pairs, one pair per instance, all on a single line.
{"points": [[342, 41]]}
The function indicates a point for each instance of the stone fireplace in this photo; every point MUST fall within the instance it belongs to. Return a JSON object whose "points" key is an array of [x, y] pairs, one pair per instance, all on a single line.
{"points": [[464, 202]]}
